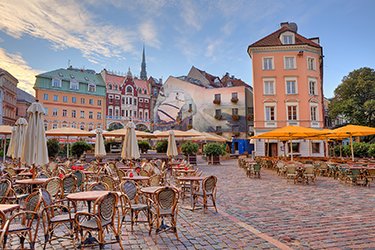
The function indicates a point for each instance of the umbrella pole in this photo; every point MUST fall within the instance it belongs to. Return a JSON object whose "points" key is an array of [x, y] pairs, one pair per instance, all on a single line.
{"points": [[291, 150], [67, 147], [5, 145], [351, 146], [268, 147], [327, 152], [340, 149]]}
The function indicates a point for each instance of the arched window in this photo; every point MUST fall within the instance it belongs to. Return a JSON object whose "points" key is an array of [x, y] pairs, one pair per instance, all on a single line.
{"points": [[129, 90], [116, 87], [82, 126], [110, 86]]}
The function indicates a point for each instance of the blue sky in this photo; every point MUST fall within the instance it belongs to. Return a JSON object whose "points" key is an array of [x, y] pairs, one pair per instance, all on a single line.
{"points": [[213, 35]]}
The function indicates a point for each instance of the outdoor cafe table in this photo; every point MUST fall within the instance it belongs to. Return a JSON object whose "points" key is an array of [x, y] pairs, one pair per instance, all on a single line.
{"points": [[32, 182], [18, 170], [8, 207], [137, 178], [25, 174], [191, 179], [87, 196]]}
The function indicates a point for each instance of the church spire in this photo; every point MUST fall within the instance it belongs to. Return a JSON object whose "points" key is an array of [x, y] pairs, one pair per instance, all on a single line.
{"points": [[143, 66]]}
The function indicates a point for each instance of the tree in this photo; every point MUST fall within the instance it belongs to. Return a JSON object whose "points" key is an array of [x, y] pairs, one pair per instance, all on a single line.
{"points": [[144, 146], [355, 98], [161, 146], [189, 148], [79, 147], [53, 147]]}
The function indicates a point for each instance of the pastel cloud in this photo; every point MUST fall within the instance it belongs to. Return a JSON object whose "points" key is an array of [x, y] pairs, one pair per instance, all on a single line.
{"points": [[148, 33], [18, 67]]}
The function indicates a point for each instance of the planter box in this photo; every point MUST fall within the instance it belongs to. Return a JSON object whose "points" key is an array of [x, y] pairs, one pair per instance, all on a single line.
{"points": [[213, 159], [192, 159]]}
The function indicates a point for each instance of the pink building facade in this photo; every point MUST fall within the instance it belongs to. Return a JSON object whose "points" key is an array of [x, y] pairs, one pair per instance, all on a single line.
{"points": [[288, 88]]}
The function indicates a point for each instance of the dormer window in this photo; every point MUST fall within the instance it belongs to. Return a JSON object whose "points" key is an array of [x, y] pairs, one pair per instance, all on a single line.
{"points": [[288, 38], [74, 84], [56, 83], [92, 87]]}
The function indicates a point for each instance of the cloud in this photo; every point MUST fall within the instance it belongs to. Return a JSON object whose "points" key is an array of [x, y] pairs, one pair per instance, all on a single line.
{"points": [[18, 67], [190, 14], [66, 24], [148, 33], [212, 47]]}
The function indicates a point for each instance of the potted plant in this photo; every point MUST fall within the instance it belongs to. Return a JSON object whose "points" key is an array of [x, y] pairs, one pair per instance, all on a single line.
{"points": [[190, 149], [235, 117], [79, 147], [213, 151], [144, 146], [217, 101], [234, 99], [161, 146]]}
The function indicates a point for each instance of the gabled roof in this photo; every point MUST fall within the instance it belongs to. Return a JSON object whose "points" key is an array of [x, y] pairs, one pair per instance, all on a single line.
{"points": [[210, 78], [110, 78], [143, 85], [274, 39], [24, 96], [228, 81], [81, 75]]}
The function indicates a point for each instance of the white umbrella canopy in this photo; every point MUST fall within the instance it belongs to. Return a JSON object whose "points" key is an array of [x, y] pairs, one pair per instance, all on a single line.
{"points": [[99, 144], [21, 127], [130, 149], [172, 147], [12, 143], [35, 146]]}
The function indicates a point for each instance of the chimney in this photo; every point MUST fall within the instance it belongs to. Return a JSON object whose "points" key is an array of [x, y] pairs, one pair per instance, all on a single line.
{"points": [[284, 24]]}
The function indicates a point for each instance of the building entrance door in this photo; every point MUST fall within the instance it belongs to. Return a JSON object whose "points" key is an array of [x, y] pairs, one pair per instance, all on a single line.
{"points": [[271, 149]]}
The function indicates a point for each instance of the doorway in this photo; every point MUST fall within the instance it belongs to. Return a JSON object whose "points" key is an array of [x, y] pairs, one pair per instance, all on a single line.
{"points": [[271, 149]]}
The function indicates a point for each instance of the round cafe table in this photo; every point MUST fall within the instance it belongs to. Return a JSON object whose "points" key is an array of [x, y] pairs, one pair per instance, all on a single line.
{"points": [[137, 178], [32, 182], [9, 207], [191, 179], [87, 196]]}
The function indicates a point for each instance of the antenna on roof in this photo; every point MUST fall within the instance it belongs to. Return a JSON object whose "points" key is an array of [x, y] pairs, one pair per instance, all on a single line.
{"points": [[69, 63]]}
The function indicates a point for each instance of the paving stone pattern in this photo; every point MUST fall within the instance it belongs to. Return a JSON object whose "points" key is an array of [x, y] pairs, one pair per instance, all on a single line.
{"points": [[266, 213]]}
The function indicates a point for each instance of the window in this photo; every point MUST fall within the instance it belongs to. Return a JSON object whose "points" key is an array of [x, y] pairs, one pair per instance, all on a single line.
{"points": [[74, 84], [312, 87], [64, 125], [146, 101], [292, 112], [218, 97], [140, 115], [82, 114], [295, 147], [218, 128], [314, 113], [83, 100], [99, 116], [91, 87], [117, 111], [54, 125], [135, 113], [91, 101], [235, 111], [311, 63], [74, 114], [82, 126], [123, 100], [74, 99], [291, 87], [117, 97], [65, 99], [270, 113], [126, 113], [289, 62], [45, 126], [129, 90], [269, 87], [135, 101], [54, 112], [140, 100], [55, 98], [110, 111], [99, 102], [146, 115], [74, 125], [46, 111], [288, 39], [218, 112], [315, 147], [234, 95], [64, 113], [56, 83], [45, 97], [116, 87], [110, 86], [91, 115], [130, 100], [267, 63]]}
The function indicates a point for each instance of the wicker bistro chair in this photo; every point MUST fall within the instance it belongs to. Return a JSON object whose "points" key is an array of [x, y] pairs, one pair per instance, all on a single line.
{"points": [[130, 202], [291, 172], [98, 186], [5, 189], [208, 191], [164, 206], [80, 176], [112, 184], [21, 224], [69, 185], [53, 187], [55, 215], [103, 218], [4, 224], [154, 180], [370, 175], [309, 174]]}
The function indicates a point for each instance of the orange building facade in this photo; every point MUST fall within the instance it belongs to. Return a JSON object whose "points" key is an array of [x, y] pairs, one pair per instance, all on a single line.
{"points": [[288, 88], [72, 98]]}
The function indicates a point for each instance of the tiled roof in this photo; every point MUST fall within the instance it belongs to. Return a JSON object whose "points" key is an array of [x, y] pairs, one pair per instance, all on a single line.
{"points": [[274, 39], [232, 82], [114, 78], [24, 96], [142, 84], [81, 75]]}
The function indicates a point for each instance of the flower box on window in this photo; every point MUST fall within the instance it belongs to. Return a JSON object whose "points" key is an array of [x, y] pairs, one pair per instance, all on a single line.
{"points": [[235, 117], [217, 101], [234, 99]]}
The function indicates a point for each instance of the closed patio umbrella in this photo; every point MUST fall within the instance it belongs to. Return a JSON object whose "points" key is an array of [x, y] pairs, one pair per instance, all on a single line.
{"points": [[11, 146], [21, 127], [99, 144], [35, 146], [172, 147], [5, 130], [130, 149]]}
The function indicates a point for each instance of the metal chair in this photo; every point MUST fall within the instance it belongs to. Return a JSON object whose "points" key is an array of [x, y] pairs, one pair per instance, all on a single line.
{"points": [[103, 218]]}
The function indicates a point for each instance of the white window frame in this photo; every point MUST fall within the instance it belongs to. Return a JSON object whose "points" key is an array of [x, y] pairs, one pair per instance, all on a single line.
{"points": [[272, 63], [288, 34], [290, 79], [286, 62], [314, 105], [55, 111], [74, 84], [89, 87], [313, 63], [296, 121], [315, 86], [270, 123], [99, 115], [45, 96], [55, 82], [265, 88], [82, 114], [74, 113]]}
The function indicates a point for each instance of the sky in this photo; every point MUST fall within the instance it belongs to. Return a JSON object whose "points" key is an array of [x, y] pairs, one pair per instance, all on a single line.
{"points": [[213, 35]]}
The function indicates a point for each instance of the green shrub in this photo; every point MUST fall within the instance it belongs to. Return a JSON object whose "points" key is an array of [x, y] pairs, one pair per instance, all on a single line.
{"points": [[214, 149], [144, 146], [346, 151], [361, 149], [161, 146], [53, 147], [189, 148], [371, 150], [79, 147]]}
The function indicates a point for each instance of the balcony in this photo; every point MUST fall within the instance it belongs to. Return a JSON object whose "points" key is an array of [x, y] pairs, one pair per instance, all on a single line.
{"points": [[217, 101], [234, 99]]}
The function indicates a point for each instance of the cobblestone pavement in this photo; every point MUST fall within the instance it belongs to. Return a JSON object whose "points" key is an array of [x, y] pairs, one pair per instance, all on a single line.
{"points": [[266, 213]]}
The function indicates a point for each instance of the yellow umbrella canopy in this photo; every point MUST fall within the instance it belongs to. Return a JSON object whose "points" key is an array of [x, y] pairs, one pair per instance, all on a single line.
{"points": [[289, 132], [122, 132], [68, 132]]}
